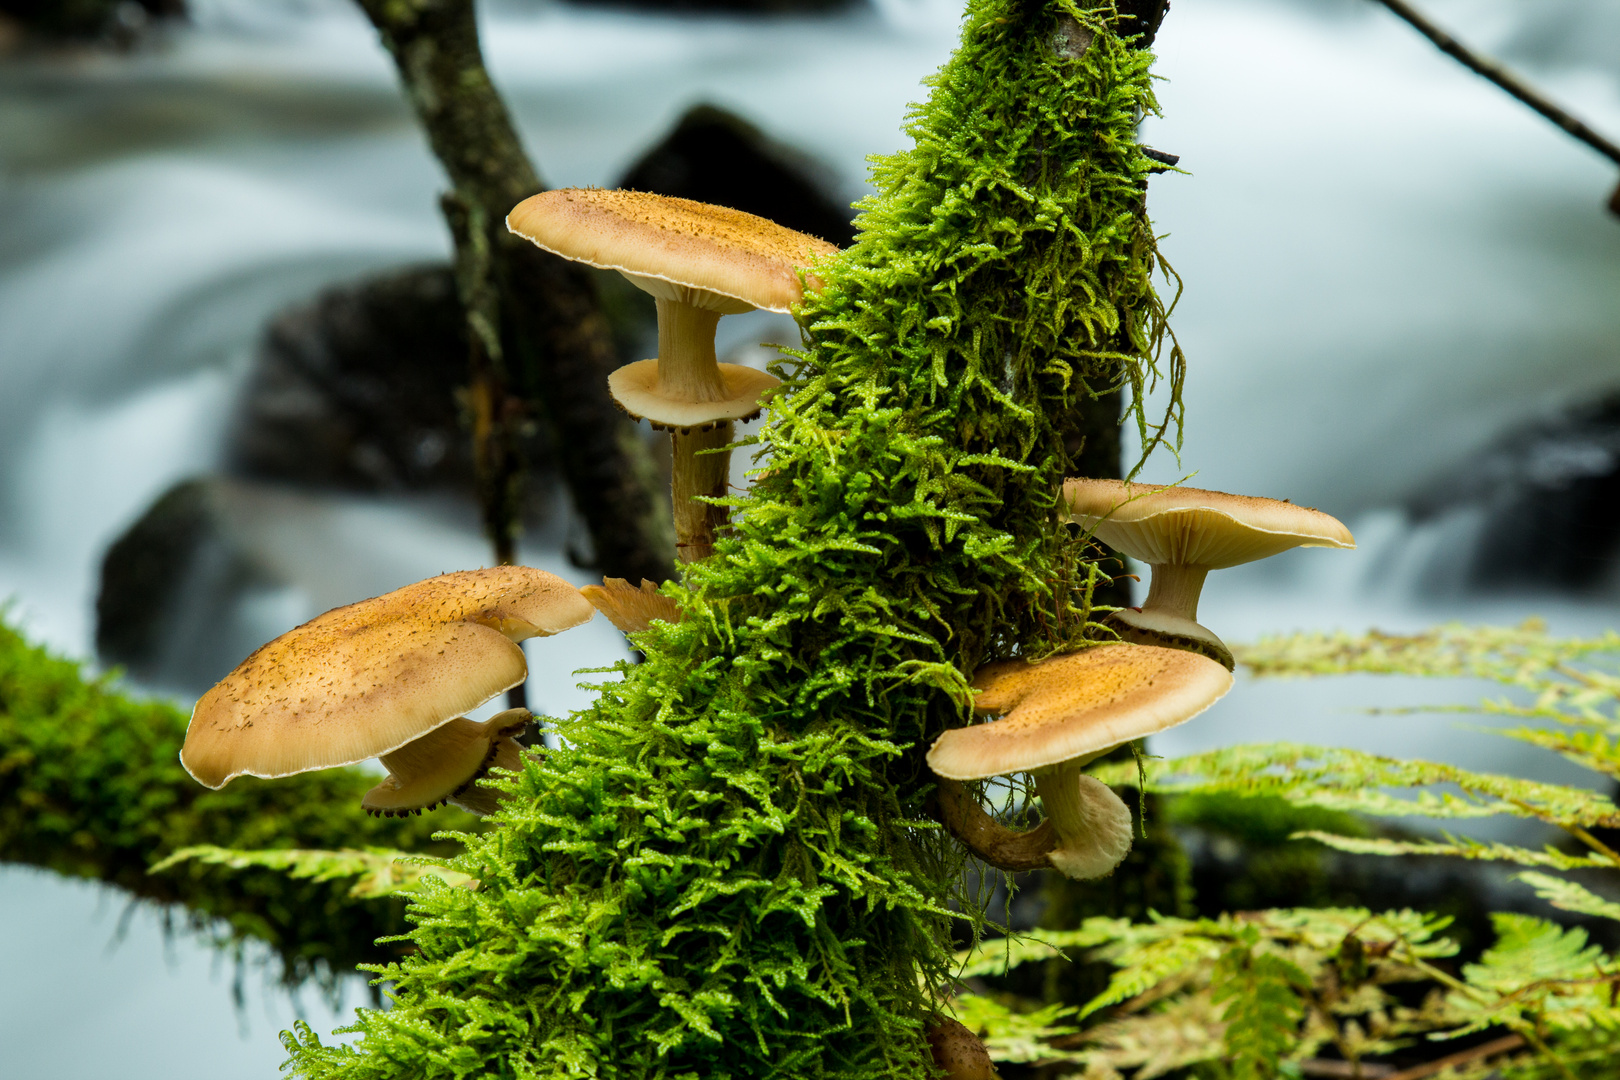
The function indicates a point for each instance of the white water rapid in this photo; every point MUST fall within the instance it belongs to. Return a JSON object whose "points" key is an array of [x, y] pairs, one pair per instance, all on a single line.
{"points": [[1386, 264]]}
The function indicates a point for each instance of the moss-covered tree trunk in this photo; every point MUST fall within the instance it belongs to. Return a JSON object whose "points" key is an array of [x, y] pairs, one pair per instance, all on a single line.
{"points": [[537, 333], [728, 870]]}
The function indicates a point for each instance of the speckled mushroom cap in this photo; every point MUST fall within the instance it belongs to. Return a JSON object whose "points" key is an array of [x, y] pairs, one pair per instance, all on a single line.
{"points": [[707, 256], [1074, 705], [363, 680], [1191, 527]]}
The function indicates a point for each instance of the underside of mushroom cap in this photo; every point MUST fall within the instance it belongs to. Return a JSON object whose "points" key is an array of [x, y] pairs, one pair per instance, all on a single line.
{"points": [[1193, 527], [363, 680], [445, 763], [635, 387], [1075, 705], [1151, 626], [655, 238]]}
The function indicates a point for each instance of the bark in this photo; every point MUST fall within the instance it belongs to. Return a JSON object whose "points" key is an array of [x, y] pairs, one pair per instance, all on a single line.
{"points": [[553, 350]]}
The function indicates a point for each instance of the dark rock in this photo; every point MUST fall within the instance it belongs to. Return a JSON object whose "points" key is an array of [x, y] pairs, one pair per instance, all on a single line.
{"points": [[359, 390], [1550, 493], [118, 21], [715, 156], [169, 585], [729, 7]]}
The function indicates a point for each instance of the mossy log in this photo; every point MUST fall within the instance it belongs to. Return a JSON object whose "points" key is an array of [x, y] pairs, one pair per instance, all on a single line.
{"points": [[91, 787]]}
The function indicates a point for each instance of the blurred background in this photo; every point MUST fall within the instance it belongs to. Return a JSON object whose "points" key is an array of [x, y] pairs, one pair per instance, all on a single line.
{"points": [[229, 343]]}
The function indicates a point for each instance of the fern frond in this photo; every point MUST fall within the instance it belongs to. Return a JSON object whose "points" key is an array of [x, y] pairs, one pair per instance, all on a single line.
{"points": [[378, 871], [1015, 1035], [1539, 976], [1570, 896], [1459, 847], [1262, 994], [1359, 782]]}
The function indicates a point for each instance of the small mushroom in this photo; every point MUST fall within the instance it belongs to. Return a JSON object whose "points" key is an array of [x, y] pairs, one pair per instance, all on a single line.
{"points": [[446, 764], [699, 262], [1184, 533], [1063, 712], [374, 678], [959, 1052], [629, 608]]}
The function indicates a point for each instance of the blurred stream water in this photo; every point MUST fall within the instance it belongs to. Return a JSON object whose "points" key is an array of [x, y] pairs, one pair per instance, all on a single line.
{"points": [[1386, 264]]}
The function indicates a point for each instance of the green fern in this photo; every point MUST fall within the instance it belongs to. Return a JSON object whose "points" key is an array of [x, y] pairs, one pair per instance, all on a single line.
{"points": [[377, 871]]}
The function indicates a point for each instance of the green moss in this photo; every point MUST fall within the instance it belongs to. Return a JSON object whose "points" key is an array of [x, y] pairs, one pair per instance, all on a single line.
{"points": [[730, 871], [91, 787]]}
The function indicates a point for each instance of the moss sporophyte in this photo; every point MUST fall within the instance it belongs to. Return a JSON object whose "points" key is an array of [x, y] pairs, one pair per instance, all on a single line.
{"points": [[730, 867]]}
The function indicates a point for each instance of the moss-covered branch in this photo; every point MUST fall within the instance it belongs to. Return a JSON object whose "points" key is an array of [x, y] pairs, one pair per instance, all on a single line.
{"points": [[91, 787], [553, 345]]}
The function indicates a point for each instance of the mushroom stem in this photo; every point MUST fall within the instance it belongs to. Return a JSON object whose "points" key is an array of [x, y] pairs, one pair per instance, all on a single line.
{"points": [[687, 367], [1175, 589], [696, 475], [1001, 847], [1093, 825]]}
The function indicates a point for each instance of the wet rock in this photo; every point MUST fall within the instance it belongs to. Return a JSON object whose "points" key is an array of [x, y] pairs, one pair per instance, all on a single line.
{"points": [[115, 21], [359, 391], [1550, 498], [746, 7], [715, 156], [169, 586]]}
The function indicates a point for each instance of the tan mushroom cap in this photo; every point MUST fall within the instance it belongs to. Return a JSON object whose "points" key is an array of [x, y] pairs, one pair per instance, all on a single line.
{"points": [[363, 680], [1192, 527], [636, 388], [708, 256], [1075, 705], [444, 764], [629, 608]]}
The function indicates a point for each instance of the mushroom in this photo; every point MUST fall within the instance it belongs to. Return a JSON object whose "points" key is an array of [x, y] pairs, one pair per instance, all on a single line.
{"points": [[699, 262], [1183, 534], [959, 1052], [380, 678], [629, 608], [446, 764], [1061, 713]]}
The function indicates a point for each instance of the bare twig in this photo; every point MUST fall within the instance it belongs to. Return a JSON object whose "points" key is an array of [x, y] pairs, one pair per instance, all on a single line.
{"points": [[1498, 74], [1462, 1057], [550, 342]]}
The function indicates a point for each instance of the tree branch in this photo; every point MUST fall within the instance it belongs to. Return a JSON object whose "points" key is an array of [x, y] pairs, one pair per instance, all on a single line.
{"points": [[1505, 79], [554, 345]]}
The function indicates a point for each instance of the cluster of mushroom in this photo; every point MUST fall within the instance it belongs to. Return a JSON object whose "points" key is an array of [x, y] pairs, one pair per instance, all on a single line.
{"points": [[699, 262], [1062, 713], [389, 678]]}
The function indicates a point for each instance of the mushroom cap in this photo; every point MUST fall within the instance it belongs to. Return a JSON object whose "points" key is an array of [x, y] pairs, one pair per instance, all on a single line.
{"points": [[635, 388], [363, 680], [1193, 527], [631, 609], [428, 771], [1077, 704], [713, 256]]}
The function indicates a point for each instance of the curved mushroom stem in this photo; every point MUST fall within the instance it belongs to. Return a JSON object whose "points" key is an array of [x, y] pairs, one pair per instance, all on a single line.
{"points": [[446, 765], [1175, 589], [1001, 847], [687, 367], [1093, 825], [958, 1051], [698, 474]]}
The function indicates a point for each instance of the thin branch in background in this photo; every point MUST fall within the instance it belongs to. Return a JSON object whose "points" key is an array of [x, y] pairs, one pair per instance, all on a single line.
{"points": [[1498, 74]]}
